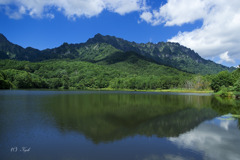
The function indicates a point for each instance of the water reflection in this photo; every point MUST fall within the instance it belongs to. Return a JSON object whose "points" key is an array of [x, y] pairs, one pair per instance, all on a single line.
{"points": [[216, 139], [226, 106], [117, 125], [109, 117]]}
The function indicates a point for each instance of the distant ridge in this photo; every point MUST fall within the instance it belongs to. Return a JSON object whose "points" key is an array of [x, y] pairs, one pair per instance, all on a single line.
{"points": [[100, 48]]}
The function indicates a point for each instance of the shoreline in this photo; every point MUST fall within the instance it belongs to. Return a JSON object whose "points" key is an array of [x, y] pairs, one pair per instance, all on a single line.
{"points": [[111, 89], [156, 90]]}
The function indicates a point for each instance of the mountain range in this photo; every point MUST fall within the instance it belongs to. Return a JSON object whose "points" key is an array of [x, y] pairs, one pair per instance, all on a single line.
{"points": [[109, 49]]}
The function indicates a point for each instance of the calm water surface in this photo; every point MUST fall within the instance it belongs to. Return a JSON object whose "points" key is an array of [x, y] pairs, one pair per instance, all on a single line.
{"points": [[94, 125]]}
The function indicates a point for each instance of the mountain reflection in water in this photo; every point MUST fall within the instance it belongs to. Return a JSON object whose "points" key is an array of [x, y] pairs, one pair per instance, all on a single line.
{"points": [[117, 125], [109, 117]]}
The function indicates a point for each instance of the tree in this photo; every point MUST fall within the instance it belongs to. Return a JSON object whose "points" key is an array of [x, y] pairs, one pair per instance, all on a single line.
{"points": [[5, 84], [65, 81], [223, 78], [189, 84], [23, 80], [237, 86], [54, 83]]}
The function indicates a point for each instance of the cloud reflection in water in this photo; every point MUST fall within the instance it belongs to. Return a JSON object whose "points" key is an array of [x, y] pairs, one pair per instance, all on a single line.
{"points": [[216, 139]]}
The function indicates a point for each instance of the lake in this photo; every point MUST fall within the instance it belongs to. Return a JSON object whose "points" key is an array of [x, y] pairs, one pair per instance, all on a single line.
{"points": [[114, 125]]}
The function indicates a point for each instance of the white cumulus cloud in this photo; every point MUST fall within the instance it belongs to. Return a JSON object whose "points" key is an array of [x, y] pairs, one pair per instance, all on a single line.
{"points": [[178, 12], [147, 16], [217, 38], [225, 57], [70, 8], [218, 34]]}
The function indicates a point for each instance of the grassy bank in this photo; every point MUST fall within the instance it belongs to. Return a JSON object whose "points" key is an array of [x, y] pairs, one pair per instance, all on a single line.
{"points": [[156, 90], [135, 90]]}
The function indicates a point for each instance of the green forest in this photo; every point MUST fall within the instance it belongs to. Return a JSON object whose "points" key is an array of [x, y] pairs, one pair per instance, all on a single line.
{"points": [[132, 73], [111, 63]]}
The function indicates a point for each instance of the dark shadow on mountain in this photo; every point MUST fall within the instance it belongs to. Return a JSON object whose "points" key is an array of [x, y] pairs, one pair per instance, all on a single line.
{"points": [[130, 57]]}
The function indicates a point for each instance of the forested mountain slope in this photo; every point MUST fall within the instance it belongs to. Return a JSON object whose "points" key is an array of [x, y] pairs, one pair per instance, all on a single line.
{"points": [[103, 48]]}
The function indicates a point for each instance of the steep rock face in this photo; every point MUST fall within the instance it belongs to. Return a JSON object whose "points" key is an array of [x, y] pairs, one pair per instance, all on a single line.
{"points": [[99, 47], [169, 54], [160, 49]]}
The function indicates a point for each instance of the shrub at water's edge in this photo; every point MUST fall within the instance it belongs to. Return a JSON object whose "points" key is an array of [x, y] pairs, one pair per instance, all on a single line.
{"points": [[227, 84]]}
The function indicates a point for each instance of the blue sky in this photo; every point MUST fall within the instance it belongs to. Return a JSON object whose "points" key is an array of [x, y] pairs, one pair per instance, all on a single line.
{"points": [[205, 26]]}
